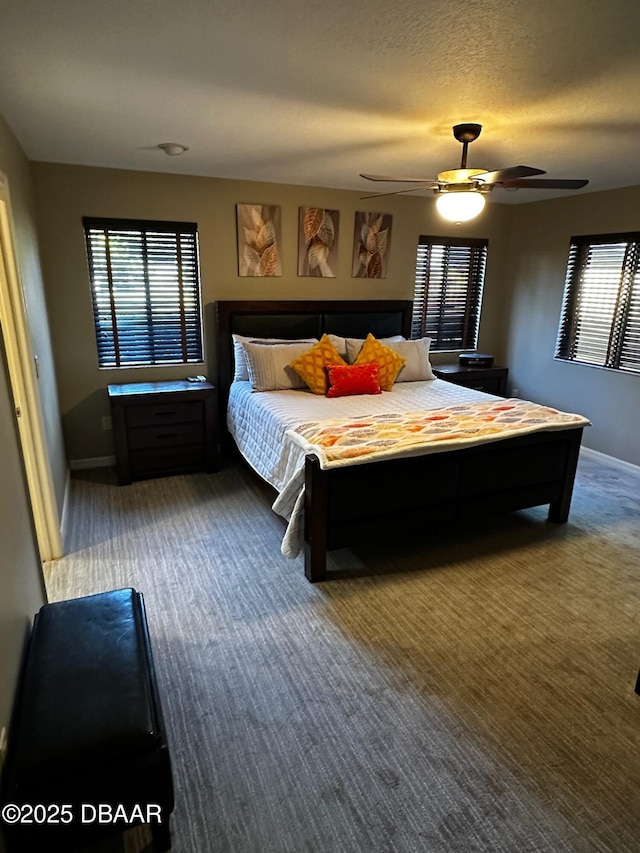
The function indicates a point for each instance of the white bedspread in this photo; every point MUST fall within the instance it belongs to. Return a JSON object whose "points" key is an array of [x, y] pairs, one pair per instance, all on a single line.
{"points": [[258, 423]]}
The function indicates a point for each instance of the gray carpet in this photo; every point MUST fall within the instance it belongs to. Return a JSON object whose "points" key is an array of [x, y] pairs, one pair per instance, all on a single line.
{"points": [[466, 692]]}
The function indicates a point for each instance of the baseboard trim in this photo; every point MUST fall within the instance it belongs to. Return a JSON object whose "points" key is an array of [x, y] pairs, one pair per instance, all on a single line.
{"points": [[93, 462], [108, 461], [611, 460]]}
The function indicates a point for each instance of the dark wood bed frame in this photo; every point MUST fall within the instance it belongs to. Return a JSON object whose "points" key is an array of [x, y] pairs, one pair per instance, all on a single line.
{"points": [[360, 503]]}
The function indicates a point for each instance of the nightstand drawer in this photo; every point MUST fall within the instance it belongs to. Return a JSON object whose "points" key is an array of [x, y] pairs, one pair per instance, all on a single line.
{"points": [[174, 459], [166, 436], [489, 385], [164, 413]]}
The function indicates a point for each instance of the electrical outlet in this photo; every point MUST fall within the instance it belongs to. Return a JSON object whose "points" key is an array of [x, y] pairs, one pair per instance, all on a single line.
{"points": [[3, 745], [106, 423], [515, 392]]}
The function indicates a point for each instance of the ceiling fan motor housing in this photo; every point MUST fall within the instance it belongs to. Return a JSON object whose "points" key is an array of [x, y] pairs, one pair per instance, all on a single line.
{"points": [[459, 180]]}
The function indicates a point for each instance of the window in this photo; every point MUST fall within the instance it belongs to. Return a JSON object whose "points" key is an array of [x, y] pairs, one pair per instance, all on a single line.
{"points": [[448, 291], [600, 320], [146, 291]]}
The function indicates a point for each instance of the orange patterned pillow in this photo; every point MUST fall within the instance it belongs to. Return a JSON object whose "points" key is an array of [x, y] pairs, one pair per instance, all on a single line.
{"points": [[348, 379], [311, 365], [389, 362]]}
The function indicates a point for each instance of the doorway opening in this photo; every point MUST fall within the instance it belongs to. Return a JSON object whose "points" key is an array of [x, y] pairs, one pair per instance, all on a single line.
{"points": [[22, 366]]}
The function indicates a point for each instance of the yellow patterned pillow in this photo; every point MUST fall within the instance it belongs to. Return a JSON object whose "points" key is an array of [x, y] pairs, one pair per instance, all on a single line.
{"points": [[389, 362], [311, 365]]}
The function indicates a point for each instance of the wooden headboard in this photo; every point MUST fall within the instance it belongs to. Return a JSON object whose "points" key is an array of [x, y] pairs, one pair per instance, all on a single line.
{"points": [[304, 319]]}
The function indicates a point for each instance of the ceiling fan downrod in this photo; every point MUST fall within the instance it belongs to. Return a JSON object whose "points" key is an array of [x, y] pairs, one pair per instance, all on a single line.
{"points": [[466, 133]]}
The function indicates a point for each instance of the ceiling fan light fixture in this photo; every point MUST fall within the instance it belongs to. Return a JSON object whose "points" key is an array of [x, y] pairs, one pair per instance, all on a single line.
{"points": [[460, 206], [173, 149]]}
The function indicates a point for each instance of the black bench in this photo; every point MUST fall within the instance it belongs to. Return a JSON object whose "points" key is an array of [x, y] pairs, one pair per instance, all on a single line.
{"points": [[87, 746]]}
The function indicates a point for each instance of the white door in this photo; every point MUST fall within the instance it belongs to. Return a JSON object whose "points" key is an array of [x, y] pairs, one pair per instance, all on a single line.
{"points": [[22, 366]]}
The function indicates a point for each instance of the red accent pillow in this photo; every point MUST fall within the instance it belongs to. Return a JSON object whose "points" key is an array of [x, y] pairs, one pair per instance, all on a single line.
{"points": [[347, 379]]}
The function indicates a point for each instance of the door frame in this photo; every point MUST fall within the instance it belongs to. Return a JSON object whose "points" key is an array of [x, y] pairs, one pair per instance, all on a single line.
{"points": [[22, 366]]}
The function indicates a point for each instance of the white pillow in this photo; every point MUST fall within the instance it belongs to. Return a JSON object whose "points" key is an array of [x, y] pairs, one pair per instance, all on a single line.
{"points": [[340, 344], [241, 374], [417, 366], [268, 366], [354, 345]]}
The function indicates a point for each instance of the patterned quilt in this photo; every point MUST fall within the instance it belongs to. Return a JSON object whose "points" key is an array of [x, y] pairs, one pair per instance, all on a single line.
{"points": [[348, 441]]}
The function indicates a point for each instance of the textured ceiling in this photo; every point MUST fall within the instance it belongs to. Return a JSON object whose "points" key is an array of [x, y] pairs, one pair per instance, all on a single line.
{"points": [[314, 93]]}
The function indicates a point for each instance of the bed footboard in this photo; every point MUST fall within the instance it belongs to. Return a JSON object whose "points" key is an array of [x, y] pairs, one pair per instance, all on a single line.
{"points": [[361, 503]]}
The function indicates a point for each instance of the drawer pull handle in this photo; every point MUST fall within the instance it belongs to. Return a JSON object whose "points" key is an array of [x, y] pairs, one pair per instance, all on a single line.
{"points": [[165, 414], [167, 435]]}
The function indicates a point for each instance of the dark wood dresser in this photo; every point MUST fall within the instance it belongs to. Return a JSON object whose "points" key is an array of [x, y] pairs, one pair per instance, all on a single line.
{"points": [[163, 428], [493, 380]]}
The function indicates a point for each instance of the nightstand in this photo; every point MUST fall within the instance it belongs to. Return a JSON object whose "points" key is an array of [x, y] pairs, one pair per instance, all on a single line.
{"points": [[493, 380], [163, 428]]}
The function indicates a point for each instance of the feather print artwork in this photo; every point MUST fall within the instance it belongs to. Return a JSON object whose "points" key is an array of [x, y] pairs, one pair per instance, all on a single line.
{"points": [[318, 241], [371, 243], [258, 240]]}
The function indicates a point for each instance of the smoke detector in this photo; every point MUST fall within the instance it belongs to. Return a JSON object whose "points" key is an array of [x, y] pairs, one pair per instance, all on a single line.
{"points": [[173, 149]]}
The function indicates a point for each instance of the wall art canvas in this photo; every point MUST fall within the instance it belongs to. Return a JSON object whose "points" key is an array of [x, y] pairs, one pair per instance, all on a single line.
{"points": [[259, 239], [318, 241], [371, 245]]}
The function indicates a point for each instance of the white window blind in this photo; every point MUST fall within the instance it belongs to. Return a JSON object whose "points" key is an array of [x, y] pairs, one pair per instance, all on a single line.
{"points": [[146, 291], [448, 291], [600, 319]]}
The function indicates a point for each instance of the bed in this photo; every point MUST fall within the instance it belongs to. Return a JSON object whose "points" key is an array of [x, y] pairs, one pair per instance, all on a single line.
{"points": [[472, 480]]}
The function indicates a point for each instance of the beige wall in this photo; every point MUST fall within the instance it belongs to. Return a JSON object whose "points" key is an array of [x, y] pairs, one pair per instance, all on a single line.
{"points": [[21, 589], [67, 193], [539, 246], [523, 293]]}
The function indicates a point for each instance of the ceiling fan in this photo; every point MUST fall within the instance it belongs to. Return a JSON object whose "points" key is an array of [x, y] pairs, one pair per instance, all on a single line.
{"points": [[461, 191]]}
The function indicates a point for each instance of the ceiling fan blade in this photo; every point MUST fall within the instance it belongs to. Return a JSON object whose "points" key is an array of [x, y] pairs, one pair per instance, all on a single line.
{"points": [[433, 186], [546, 184], [399, 180], [508, 174]]}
